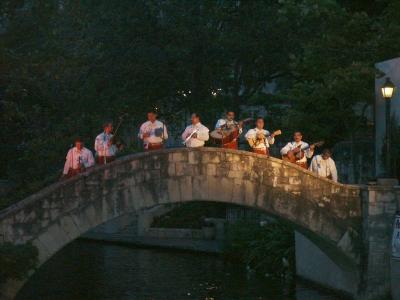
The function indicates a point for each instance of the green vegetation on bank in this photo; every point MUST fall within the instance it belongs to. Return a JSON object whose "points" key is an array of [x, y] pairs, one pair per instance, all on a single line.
{"points": [[16, 261], [269, 250]]}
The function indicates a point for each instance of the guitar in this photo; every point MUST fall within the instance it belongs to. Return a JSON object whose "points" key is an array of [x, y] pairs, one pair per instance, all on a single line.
{"points": [[293, 156], [260, 138]]}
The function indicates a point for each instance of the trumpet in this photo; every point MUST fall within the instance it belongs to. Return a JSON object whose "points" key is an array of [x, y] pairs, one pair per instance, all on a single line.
{"points": [[190, 136]]}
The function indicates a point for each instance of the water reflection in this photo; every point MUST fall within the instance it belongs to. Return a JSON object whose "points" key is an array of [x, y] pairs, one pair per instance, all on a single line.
{"points": [[97, 271]]}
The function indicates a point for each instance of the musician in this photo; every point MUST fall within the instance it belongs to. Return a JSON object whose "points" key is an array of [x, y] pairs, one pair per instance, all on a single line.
{"points": [[229, 123], [78, 160], [153, 133], [195, 135], [299, 149], [260, 139], [104, 146], [323, 165]]}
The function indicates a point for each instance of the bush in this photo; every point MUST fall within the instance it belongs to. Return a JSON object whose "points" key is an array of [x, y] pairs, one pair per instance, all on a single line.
{"points": [[16, 261], [268, 249]]}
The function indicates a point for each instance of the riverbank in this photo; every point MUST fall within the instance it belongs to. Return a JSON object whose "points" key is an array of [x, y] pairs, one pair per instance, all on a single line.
{"points": [[195, 245]]}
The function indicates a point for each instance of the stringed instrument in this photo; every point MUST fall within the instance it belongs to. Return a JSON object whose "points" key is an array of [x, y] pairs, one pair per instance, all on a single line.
{"points": [[115, 140], [260, 138], [227, 134], [293, 156]]}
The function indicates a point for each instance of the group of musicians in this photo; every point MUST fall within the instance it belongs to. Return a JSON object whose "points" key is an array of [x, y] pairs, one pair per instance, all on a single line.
{"points": [[227, 131]]}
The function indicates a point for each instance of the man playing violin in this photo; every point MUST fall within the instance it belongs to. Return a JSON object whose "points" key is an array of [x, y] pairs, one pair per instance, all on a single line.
{"points": [[153, 133], [260, 139], [105, 148], [298, 151], [234, 128]]}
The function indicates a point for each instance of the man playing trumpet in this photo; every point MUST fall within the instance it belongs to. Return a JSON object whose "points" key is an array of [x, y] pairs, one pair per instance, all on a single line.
{"points": [[195, 135], [260, 139]]}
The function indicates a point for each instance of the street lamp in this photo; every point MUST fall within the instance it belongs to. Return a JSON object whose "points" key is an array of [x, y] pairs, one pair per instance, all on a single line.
{"points": [[388, 90]]}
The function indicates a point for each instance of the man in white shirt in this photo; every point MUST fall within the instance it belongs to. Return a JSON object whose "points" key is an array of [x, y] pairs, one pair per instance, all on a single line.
{"points": [[229, 122], [323, 165], [78, 160], [298, 151], [260, 139], [105, 149], [195, 135], [153, 133]]}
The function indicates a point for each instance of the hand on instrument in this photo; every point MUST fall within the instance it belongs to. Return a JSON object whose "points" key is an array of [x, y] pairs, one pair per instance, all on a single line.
{"points": [[146, 135], [259, 136], [296, 150], [194, 136]]}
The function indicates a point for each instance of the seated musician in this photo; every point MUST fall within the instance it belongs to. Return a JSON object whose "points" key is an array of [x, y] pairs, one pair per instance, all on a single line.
{"points": [[298, 151], [324, 166], [227, 124], [260, 139], [104, 146], [78, 160], [153, 133], [196, 134]]}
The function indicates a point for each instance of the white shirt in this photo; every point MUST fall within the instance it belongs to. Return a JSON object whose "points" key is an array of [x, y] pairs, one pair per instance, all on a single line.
{"points": [[228, 123], [324, 167], [76, 157], [307, 153], [101, 145], [252, 134], [151, 128], [202, 135]]}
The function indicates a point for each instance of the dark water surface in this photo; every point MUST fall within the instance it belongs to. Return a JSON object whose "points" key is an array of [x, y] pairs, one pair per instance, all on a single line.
{"points": [[86, 270]]}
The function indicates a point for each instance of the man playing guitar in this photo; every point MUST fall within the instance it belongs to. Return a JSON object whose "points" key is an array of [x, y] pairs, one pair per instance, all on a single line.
{"points": [[298, 151], [260, 139], [230, 123]]}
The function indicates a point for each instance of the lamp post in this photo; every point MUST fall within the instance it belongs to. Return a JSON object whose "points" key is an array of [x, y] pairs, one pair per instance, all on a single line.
{"points": [[387, 93]]}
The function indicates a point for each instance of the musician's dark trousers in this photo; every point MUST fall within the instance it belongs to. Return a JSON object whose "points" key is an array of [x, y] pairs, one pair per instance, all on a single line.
{"points": [[102, 160], [152, 147]]}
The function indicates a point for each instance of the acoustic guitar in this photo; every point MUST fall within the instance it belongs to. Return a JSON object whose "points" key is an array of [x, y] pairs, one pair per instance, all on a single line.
{"points": [[292, 156]]}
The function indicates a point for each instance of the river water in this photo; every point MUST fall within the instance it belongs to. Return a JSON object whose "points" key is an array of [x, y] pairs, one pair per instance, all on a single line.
{"points": [[85, 270]]}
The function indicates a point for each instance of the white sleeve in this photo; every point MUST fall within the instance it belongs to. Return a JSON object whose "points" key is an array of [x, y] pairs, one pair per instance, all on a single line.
{"points": [[271, 140], [250, 134], [333, 170], [219, 123], [141, 131], [309, 153], [313, 166], [285, 149], [90, 162], [185, 134], [203, 134], [165, 132], [68, 162], [98, 144]]}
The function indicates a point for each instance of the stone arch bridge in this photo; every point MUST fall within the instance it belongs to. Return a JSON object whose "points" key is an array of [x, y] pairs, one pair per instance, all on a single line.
{"points": [[334, 216]]}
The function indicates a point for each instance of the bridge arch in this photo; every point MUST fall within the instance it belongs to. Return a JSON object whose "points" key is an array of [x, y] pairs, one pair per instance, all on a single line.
{"points": [[63, 211]]}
